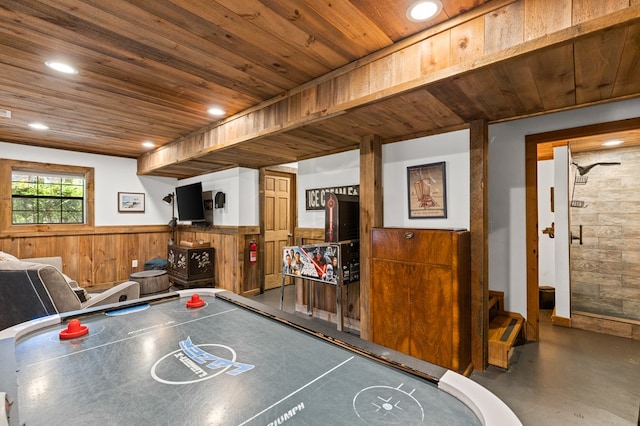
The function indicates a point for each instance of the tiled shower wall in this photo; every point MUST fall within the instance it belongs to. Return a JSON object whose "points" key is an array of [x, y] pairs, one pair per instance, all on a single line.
{"points": [[605, 269]]}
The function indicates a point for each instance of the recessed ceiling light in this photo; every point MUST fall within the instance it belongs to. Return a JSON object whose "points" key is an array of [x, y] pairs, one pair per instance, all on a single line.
{"points": [[423, 10], [216, 111], [613, 143], [38, 126], [148, 144], [61, 67]]}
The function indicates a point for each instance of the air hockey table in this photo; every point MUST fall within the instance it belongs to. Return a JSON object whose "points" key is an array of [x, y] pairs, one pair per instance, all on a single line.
{"points": [[209, 357]]}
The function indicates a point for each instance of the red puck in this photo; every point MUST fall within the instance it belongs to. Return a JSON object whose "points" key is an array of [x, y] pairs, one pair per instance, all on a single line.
{"points": [[195, 301], [74, 329]]}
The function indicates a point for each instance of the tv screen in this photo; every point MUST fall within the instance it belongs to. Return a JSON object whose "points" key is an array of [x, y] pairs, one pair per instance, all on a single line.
{"points": [[189, 202]]}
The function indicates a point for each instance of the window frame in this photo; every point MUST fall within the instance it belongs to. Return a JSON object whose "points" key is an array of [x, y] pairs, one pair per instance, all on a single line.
{"points": [[6, 169]]}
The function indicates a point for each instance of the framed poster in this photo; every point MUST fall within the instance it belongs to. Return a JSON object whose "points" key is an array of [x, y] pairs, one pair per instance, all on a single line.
{"points": [[427, 191], [130, 202]]}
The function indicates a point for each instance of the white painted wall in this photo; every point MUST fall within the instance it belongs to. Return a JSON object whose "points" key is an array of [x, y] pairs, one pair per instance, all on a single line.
{"points": [[546, 245], [112, 175], [324, 172], [553, 253], [344, 169], [241, 188], [562, 282], [117, 174], [453, 149]]}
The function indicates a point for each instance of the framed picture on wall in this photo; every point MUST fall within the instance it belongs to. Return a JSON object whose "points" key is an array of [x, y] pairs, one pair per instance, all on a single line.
{"points": [[130, 202], [427, 191]]}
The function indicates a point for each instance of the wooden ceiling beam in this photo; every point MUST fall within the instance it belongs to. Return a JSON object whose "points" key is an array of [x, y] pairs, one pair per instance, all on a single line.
{"points": [[401, 69]]}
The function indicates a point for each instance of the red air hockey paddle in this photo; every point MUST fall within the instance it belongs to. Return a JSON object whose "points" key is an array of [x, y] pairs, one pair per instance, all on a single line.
{"points": [[195, 301], [74, 329]]}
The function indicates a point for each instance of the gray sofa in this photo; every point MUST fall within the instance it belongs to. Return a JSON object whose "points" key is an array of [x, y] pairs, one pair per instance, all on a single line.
{"points": [[33, 288]]}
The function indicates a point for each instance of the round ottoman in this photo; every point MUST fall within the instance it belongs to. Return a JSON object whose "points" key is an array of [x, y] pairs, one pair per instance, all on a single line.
{"points": [[151, 281]]}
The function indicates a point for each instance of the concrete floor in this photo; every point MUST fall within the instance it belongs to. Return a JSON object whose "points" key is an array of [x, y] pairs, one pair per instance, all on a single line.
{"points": [[569, 377]]}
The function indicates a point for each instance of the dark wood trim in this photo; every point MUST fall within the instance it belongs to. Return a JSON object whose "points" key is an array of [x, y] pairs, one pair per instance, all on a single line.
{"points": [[531, 329], [561, 321], [262, 172], [221, 229], [582, 131], [479, 227], [283, 169], [371, 200]]}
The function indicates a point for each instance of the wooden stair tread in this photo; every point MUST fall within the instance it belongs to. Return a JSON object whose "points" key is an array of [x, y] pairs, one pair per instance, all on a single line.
{"points": [[503, 332], [500, 324]]}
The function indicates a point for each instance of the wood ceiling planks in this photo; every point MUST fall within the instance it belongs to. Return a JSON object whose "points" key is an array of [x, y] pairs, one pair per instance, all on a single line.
{"points": [[164, 62], [628, 75], [149, 71], [550, 85], [597, 61]]}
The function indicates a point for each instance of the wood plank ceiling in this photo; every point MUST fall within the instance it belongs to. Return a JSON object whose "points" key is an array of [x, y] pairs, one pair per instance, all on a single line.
{"points": [[149, 70]]}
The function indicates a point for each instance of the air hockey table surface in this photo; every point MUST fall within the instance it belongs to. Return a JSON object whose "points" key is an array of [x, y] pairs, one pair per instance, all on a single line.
{"points": [[229, 362]]}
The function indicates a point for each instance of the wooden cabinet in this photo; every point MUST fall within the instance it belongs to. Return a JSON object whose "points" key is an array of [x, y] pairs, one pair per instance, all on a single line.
{"points": [[420, 294], [189, 267]]}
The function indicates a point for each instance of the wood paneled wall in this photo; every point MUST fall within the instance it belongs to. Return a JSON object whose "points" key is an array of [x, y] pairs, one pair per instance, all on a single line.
{"points": [[103, 258], [97, 259], [233, 272]]}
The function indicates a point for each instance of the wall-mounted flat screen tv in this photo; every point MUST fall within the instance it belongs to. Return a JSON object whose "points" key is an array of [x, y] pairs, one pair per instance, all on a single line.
{"points": [[189, 202]]}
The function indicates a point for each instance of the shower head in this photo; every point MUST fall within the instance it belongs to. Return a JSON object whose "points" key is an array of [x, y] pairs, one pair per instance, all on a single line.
{"points": [[583, 170]]}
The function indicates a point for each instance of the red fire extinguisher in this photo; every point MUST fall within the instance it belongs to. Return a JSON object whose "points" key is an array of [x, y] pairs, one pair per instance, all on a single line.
{"points": [[253, 252]]}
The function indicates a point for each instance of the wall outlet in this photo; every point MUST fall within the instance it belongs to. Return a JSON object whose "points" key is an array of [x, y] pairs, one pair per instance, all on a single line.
{"points": [[134, 263]]}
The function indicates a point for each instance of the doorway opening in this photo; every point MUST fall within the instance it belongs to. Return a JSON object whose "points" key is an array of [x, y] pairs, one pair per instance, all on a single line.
{"points": [[581, 139]]}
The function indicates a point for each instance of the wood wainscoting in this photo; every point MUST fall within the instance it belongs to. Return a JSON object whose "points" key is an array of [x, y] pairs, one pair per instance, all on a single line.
{"points": [[101, 257], [98, 258], [233, 271]]}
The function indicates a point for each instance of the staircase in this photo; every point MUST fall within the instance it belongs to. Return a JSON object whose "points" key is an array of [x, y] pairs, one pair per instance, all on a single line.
{"points": [[504, 330]]}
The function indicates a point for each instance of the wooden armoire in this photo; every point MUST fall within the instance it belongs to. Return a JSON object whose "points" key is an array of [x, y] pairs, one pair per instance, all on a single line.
{"points": [[420, 294]]}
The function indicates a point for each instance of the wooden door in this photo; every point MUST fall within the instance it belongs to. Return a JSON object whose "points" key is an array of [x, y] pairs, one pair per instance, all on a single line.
{"points": [[278, 224]]}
